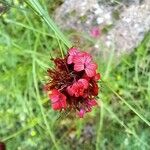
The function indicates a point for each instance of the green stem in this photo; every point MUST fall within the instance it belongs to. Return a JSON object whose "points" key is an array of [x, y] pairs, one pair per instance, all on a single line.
{"points": [[100, 126], [35, 5], [38, 95], [125, 102], [128, 130]]}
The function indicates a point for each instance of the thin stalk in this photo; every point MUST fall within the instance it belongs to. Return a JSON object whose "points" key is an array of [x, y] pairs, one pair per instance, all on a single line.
{"points": [[38, 96], [125, 102], [100, 126], [36, 6], [128, 130]]}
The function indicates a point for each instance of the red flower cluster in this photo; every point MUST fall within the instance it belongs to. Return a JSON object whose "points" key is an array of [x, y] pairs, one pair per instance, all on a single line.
{"points": [[73, 82]]}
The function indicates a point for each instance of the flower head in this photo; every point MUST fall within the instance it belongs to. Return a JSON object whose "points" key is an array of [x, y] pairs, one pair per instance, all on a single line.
{"points": [[95, 32], [73, 82]]}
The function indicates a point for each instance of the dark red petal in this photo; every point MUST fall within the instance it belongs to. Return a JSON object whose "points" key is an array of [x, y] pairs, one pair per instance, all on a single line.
{"points": [[73, 51], [91, 69], [92, 66], [89, 109], [97, 77], [92, 102], [80, 58], [70, 60], [84, 82], [58, 100], [95, 89], [88, 58], [77, 89], [86, 77], [79, 67], [81, 113], [70, 90], [90, 72], [57, 106]]}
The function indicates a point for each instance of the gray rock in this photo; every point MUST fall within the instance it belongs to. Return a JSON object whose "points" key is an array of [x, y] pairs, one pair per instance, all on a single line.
{"points": [[129, 31], [129, 21], [82, 15]]}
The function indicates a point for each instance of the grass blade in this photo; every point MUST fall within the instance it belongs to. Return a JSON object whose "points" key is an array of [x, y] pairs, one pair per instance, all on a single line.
{"points": [[35, 5], [125, 102]]}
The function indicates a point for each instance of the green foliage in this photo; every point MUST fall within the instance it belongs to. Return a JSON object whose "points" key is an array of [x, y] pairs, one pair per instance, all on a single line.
{"points": [[27, 121]]}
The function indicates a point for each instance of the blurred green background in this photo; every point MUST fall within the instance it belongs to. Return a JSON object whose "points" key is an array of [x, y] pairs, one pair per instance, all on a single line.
{"points": [[27, 121]]}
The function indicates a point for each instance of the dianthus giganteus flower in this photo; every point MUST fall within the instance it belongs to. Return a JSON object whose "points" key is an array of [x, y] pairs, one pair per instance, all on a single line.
{"points": [[73, 82]]}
